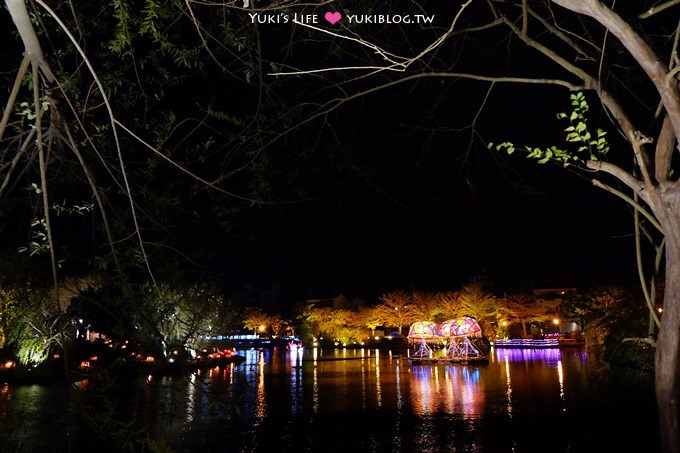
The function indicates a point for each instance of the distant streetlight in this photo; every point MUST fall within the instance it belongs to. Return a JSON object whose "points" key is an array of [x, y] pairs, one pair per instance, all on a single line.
{"points": [[556, 321], [261, 328]]}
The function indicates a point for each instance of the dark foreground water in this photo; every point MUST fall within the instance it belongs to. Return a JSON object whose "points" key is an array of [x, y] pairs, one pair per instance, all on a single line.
{"points": [[340, 401]]}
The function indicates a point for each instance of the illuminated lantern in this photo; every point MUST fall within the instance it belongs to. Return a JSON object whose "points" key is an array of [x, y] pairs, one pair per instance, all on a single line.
{"points": [[460, 327], [423, 329]]}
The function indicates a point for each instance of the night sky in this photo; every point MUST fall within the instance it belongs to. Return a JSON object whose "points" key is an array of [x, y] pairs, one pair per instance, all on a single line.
{"points": [[413, 198], [415, 210]]}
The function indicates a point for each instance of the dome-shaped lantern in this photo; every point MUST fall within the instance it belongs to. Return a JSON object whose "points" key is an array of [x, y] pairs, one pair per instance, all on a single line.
{"points": [[423, 329], [460, 327]]}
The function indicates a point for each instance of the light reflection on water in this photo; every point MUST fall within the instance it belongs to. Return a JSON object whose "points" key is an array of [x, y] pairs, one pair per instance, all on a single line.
{"points": [[451, 389], [362, 400]]}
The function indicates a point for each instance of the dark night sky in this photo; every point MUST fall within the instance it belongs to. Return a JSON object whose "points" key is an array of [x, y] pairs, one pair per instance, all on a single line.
{"points": [[410, 213]]}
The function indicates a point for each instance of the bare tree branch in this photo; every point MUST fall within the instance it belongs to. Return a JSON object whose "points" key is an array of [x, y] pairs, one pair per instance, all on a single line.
{"points": [[114, 130], [656, 70], [630, 201], [633, 183], [336, 103], [561, 34], [628, 130], [657, 9], [186, 171], [43, 180], [13, 94]]}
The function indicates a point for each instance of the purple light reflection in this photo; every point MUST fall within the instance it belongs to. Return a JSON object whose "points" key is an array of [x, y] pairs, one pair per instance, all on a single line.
{"points": [[549, 356], [451, 389]]}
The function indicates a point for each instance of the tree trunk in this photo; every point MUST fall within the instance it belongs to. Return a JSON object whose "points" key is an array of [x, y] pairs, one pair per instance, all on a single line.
{"points": [[668, 344]]}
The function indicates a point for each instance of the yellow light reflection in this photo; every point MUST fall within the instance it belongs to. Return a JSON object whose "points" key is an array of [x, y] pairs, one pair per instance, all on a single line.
{"points": [[378, 389], [191, 399], [560, 378], [260, 402], [396, 445], [363, 386], [315, 391], [508, 383]]}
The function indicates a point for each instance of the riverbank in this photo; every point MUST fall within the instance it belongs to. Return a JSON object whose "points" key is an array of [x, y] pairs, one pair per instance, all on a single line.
{"points": [[57, 369]]}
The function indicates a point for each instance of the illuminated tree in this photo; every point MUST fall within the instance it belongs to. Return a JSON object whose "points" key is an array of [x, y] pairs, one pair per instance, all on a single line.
{"points": [[334, 324], [396, 310], [523, 309], [426, 305], [370, 318], [451, 304], [278, 325], [478, 303], [343, 326], [255, 319], [31, 328], [182, 315], [318, 318]]}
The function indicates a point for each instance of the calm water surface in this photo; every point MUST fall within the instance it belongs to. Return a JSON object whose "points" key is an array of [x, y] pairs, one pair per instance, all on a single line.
{"points": [[344, 401]]}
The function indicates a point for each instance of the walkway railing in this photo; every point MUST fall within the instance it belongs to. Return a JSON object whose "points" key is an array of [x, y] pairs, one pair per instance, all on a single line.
{"points": [[527, 343]]}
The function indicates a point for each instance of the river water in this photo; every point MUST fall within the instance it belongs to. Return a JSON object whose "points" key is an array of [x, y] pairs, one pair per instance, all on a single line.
{"points": [[524, 400]]}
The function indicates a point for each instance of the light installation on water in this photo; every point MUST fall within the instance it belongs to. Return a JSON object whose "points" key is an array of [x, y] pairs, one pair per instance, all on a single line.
{"points": [[454, 333], [423, 329], [460, 327]]}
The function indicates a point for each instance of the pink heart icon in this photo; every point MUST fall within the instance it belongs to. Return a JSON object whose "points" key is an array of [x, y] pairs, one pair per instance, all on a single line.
{"points": [[332, 17]]}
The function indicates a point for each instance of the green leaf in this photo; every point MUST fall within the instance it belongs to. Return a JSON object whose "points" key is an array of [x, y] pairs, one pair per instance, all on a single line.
{"points": [[573, 137]]}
